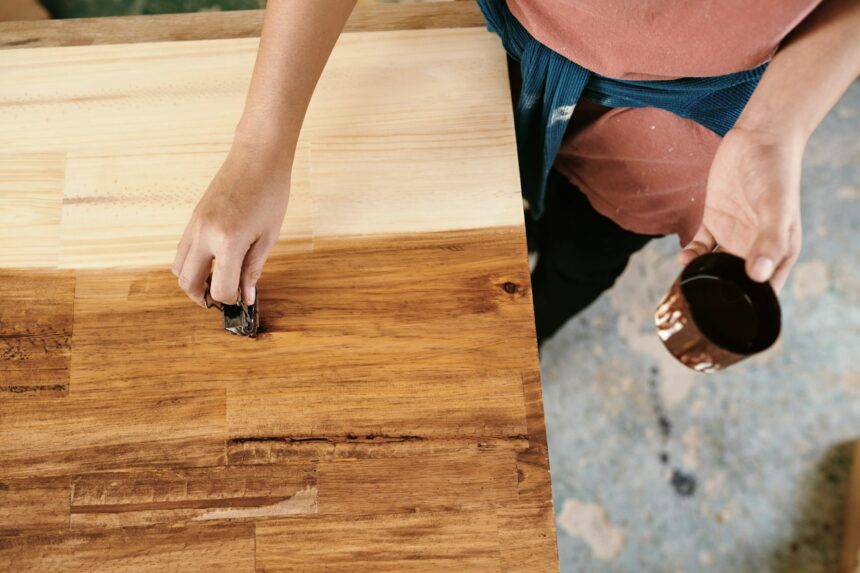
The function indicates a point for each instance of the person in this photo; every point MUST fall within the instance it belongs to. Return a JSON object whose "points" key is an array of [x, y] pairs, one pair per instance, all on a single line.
{"points": [[680, 118]]}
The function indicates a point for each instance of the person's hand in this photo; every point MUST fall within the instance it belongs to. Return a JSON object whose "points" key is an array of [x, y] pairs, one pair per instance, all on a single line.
{"points": [[236, 223], [752, 208]]}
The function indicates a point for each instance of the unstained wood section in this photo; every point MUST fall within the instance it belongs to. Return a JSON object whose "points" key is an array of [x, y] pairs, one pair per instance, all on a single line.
{"points": [[408, 131]]}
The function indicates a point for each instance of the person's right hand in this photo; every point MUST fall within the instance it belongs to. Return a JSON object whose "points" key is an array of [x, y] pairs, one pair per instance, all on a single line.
{"points": [[236, 223]]}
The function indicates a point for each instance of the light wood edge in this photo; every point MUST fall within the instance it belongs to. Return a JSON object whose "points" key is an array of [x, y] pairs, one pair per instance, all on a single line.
{"points": [[223, 25], [851, 541]]}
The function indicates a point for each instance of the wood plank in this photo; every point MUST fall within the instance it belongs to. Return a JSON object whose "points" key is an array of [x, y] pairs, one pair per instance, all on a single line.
{"points": [[405, 543], [387, 418], [850, 558], [31, 192], [533, 464], [452, 482], [527, 538], [147, 497], [36, 320], [151, 147], [222, 547], [34, 505], [273, 450], [111, 430], [223, 25], [381, 311]]}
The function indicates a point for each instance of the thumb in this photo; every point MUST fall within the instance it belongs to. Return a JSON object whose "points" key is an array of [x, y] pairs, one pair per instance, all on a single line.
{"points": [[768, 251], [702, 243], [252, 268]]}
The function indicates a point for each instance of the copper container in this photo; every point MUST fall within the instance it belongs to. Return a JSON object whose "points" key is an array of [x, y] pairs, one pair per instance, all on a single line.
{"points": [[715, 315]]}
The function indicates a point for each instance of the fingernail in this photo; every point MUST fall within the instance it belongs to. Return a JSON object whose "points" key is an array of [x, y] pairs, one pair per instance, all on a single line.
{"points": [[762, 269], [252, 295]]}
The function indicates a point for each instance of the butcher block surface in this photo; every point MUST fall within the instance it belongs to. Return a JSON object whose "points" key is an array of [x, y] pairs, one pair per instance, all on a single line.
{"points": [[387, 418]]}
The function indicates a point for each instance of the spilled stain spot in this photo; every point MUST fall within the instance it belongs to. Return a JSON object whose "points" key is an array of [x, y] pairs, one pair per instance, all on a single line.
{"points": [[590, 522], [663, 422], [684, 484]]}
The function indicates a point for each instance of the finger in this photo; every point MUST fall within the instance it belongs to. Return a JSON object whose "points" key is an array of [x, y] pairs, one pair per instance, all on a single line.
{"points": [[225, 277], [181, 251], [780, 275], [770, 248], [195, 271], [253, 268], [702, 243]]}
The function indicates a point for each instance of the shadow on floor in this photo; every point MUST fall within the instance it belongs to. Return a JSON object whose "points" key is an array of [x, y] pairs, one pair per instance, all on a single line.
{"points": [[820, 517]]}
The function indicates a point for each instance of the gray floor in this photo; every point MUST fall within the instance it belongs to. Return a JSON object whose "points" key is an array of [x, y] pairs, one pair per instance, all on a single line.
{"points": [[658, 469]]}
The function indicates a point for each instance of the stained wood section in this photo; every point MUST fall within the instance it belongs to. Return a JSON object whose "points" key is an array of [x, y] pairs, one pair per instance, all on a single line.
{"points": [[527, 537], [401, 543], [111, 429], [146, 497], [223, 25], [36, 324], [451, 482], [34, 505], [434, 146], [227, 548], [850, 562], [382, 311]]}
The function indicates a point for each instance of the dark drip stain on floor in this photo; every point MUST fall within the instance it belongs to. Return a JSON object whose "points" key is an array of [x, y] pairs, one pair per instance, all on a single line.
{"points": [[682, 482]]}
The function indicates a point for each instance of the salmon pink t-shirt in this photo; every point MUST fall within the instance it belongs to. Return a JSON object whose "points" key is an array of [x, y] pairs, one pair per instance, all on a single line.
{"points": [[647, 168]]}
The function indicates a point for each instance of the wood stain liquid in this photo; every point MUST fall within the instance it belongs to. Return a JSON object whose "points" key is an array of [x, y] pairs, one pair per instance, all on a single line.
{"points": [[730, 309]]}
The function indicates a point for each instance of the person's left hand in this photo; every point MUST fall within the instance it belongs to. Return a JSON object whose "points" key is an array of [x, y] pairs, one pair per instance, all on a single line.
{"points": [[752, 208]]}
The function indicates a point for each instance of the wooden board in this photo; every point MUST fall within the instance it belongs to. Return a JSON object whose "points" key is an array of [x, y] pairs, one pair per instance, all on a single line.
{"points": [[850, 559], [388, 417], [222, 25]]}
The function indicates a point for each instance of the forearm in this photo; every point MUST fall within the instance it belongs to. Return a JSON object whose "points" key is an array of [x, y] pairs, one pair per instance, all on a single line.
{"points": [[810, 72], [297, 39]]}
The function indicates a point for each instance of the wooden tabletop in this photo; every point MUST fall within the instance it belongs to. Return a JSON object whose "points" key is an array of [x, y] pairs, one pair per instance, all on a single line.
{"points": [[389, 416]]}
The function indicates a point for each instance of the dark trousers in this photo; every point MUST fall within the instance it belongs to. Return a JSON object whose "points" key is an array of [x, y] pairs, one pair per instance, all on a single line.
{"points": [[581, 253]]}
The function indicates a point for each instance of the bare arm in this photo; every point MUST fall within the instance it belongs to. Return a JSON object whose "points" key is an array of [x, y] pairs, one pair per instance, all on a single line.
{"points": [[297, 38], [753, 199], [239, 217]]}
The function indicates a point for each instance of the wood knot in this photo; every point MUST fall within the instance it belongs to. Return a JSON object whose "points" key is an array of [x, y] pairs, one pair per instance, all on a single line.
{"points": [[510, 287]]}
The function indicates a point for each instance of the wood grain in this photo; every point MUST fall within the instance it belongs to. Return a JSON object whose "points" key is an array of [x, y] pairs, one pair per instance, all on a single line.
{"points": [[112, 429], [227, 548], [37, 505], [146, 497], [140, 148], [31, 192], [224, 25], [401, 543], [389, 415], [418, 484], [36, 321]]}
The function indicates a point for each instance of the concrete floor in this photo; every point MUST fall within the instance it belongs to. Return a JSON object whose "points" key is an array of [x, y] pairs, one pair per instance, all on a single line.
{"points": [[659, 469]]}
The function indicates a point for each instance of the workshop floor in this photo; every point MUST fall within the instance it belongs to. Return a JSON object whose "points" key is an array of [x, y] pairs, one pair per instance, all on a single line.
{"points": [[754, 473], [657, 469]]}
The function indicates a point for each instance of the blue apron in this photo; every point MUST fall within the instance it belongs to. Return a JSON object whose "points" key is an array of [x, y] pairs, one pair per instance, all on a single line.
{"points": [[552, 85]]}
